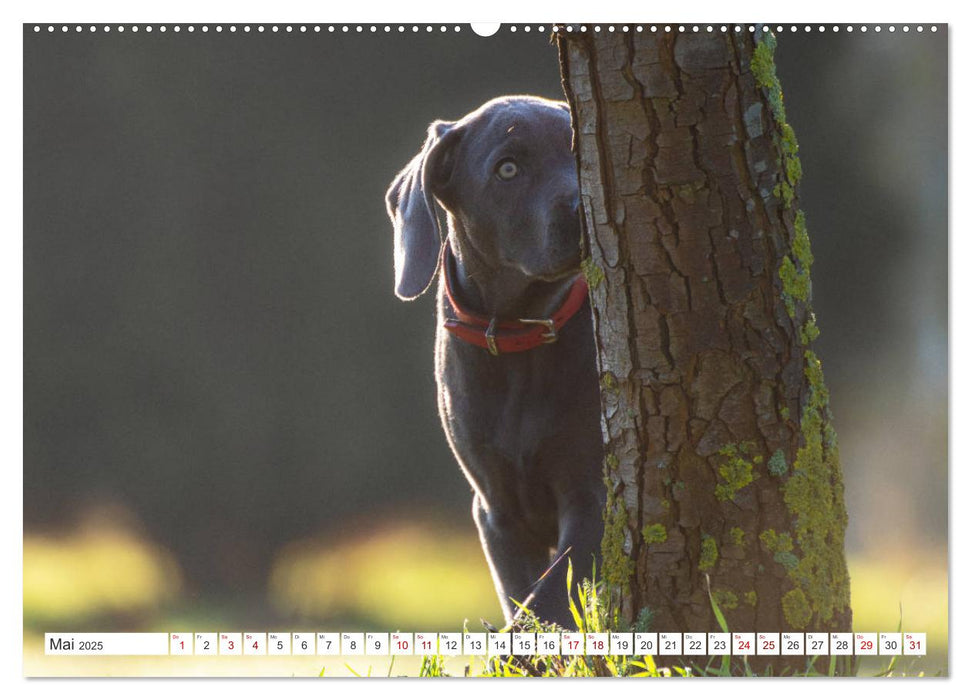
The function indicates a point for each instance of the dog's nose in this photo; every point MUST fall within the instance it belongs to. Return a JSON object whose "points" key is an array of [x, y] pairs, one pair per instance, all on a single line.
{"points": [[567, 208], [568, 203]]}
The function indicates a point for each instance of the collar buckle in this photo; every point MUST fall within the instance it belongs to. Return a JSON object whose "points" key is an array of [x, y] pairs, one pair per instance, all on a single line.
{"points": [[550, 335], [490, 336]]}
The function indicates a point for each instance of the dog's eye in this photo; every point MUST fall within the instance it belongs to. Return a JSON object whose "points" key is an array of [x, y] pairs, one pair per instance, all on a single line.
{"points": [[507, 169]]}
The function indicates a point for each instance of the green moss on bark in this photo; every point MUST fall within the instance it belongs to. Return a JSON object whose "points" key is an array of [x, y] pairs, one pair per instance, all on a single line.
{"points": [[726, 600], [809, 331], [796, 609], [737, 469], [814, 496], [763, 68], [592, 272], [776, 542], [617, 565], [608, 382], [709, 553], [813, 492], [654, 534], [794, 272], [764, 72], [737, 536]]}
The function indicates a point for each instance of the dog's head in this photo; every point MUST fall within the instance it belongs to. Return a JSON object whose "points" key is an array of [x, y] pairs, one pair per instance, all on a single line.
{"points": [[506, 176]]}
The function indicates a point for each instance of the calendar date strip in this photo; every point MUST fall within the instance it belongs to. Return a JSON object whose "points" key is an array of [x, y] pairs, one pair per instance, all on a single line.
{"points": [[658, 644]]}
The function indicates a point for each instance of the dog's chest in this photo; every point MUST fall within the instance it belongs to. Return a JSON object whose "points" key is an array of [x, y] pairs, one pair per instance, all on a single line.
{"points": [[513, 403], [522, 421]]}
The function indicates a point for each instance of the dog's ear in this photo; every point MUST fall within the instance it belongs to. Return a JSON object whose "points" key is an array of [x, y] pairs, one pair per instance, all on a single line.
{"points": [[411, 206]]}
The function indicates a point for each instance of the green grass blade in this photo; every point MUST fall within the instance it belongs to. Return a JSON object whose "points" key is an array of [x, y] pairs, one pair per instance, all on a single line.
{"points": [[719, 617]]}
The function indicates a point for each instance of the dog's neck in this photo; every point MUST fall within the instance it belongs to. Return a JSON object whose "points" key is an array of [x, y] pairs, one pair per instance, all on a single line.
{"points": [[502, 292]]}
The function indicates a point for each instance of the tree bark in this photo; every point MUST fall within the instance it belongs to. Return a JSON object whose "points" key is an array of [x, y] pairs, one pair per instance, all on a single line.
{"points": [[722, 464]]}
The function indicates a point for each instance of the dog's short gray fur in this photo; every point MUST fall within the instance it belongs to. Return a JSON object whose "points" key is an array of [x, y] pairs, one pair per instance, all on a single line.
{"points": [[525, 427]]}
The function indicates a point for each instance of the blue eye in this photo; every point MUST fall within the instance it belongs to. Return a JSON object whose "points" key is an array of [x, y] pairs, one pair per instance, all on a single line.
{"points": [[507, 169]]}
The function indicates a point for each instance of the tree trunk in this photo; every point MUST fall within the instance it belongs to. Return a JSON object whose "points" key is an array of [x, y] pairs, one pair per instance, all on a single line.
{"points": [[722, 464]]}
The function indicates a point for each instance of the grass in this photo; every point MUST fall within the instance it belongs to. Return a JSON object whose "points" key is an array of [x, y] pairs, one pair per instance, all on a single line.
{"points": [[77, 577], [440, 578], [592, 612]]}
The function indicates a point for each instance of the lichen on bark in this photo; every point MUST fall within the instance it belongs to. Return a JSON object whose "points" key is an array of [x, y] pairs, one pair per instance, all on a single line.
{"points": [[814, 490], [654, 534], [617, 566], [737, 470], [709, 553]]}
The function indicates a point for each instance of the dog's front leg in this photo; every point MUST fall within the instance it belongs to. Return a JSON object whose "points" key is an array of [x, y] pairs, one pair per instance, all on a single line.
{"points": [[581, 532], [515, 558]]}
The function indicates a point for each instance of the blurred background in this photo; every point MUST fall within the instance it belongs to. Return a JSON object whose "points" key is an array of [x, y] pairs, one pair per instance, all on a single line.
{"points": [[230, 420]]}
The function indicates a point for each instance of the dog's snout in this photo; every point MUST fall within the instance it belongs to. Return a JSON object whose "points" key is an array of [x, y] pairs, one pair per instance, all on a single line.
{"points": [[566, 212], [564, 200]]}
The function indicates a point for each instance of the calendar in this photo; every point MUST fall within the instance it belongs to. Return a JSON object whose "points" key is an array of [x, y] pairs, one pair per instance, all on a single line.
{"points": [[661, 277], [664, 644]]}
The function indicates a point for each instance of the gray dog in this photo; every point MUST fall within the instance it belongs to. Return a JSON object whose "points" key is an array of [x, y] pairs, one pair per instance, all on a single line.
{"points": [[514, 354]]}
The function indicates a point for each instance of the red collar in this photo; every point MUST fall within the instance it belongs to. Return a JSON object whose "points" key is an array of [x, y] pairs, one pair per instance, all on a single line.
{"points": [[508, 336]]}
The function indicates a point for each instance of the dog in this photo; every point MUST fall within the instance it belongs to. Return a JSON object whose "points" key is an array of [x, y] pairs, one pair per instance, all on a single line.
{"points": [[515, 360]]}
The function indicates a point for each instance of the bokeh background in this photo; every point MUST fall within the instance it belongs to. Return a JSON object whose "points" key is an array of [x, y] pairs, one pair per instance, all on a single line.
{"points": [[230, 420]]}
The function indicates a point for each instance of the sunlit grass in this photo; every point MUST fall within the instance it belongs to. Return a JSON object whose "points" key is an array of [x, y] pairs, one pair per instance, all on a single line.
{"points": [[417, 577], [411, 577], [94, 572], [907, 587], [592, 611]]}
